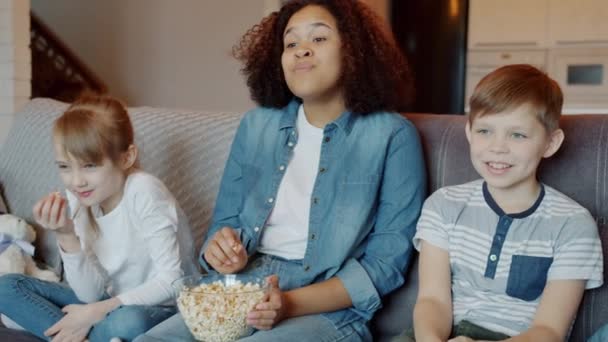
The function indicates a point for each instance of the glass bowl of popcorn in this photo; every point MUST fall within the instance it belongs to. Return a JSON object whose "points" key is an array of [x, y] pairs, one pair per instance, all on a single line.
{"points": [[215, 306]]}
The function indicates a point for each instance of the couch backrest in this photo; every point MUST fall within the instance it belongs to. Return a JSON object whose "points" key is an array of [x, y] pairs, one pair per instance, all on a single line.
{"points": [[579, 169]]}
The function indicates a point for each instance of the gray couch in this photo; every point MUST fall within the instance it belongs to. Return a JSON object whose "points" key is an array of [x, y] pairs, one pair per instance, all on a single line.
{"points": [[187, 150]]}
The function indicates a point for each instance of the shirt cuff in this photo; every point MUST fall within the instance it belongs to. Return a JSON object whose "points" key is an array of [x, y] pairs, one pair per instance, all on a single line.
{"points": [[434, 238], [359, 286], [202, 261], [125, 299]]}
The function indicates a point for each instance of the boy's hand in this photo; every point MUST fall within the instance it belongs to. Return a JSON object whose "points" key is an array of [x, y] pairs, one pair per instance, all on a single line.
{"points": [[225, 253], [50, 213], [271, 310]]}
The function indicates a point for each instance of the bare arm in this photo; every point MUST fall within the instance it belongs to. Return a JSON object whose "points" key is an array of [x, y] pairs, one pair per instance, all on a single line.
{"points": [[556, 311], [433, 310], [326, 296]]}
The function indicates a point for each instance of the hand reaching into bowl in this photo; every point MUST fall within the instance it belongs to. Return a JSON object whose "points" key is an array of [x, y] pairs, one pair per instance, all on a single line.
{"points": [[225, 252]]}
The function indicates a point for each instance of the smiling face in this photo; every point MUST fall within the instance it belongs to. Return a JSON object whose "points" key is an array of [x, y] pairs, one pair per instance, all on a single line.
{"points": [[507, 147], [312, 55], [92, 183]]}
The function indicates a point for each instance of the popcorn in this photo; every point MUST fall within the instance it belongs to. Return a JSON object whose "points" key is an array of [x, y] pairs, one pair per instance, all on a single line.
{"points": [[216, 312]]}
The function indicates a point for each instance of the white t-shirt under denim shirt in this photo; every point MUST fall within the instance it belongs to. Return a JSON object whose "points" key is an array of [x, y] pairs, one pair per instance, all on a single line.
{"points": [[286, 231], [136, 254], [500, 263]]}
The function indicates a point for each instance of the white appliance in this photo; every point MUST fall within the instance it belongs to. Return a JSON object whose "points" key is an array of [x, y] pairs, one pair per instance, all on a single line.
{"points": [[582, 73]]}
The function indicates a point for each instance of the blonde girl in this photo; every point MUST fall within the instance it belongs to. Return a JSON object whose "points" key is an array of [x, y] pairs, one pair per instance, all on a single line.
{"points": [[117, 231]]}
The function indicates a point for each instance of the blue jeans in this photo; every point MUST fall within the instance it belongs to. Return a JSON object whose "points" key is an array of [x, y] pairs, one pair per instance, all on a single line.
{"points": [[601, 335], [36, 305], [313, 328], [305, 328]]}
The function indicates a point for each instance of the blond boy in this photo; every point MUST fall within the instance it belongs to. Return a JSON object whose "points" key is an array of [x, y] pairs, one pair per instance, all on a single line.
{"points": [[506, 257]]}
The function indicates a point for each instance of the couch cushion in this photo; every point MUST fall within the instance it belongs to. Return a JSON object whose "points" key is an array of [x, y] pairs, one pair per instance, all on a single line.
{"points": [[26, 168], [10, 335]]}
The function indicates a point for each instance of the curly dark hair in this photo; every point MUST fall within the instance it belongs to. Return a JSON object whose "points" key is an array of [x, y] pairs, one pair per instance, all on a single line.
{"points": [[375, 75]]}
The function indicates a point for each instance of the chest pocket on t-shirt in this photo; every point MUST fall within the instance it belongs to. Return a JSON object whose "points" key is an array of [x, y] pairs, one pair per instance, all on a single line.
{"points": [[528, 276]]}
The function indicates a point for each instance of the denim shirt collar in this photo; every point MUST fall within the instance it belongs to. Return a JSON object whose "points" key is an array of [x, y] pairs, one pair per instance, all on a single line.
{"points": [[345, 121]]}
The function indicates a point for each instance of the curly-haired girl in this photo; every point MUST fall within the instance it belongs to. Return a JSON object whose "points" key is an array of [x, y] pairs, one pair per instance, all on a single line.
{"points": [[324, 182]]}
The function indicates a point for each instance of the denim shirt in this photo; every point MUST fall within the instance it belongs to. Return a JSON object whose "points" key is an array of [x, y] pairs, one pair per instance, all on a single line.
{"points": [[365, 202]]}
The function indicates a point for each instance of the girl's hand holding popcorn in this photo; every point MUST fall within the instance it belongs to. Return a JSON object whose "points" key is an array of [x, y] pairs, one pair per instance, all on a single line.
{"points": [[271, 310], [50, 213], [225, 252]]}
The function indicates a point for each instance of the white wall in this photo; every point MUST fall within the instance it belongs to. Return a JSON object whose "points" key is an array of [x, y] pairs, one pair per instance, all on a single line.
{"points": [[15, 60], [158, 52]]}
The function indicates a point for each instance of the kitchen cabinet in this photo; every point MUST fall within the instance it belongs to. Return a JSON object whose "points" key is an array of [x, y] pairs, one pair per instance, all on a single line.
{"points": [[566, 38], [514, 23], [577, 22]]}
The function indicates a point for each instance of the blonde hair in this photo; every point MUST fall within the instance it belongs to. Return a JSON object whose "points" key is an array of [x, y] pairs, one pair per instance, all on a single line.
{"points": [[511, 86], [93, 128]]}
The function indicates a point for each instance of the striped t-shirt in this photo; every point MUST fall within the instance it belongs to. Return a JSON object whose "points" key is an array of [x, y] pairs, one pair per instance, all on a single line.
{"points": [[500, 263]]}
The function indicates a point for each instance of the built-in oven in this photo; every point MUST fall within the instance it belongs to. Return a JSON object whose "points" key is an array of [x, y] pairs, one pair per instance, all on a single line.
{"points": [[582, 73]]}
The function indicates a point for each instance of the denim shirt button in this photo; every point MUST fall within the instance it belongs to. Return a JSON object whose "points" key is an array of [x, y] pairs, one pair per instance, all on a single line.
{"points": [[312, 236], [327, 139], [306, 268], [493, 257], [257, 229], [270, 200], [321, 170], [282, 167], [290, 144], [315, 200]]}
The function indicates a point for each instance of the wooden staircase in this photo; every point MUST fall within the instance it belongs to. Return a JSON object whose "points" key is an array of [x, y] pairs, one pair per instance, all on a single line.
{"points": [[56, 71]]}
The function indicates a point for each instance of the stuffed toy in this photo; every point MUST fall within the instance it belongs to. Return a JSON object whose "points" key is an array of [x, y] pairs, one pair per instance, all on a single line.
{"points": [[16, 249]]}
